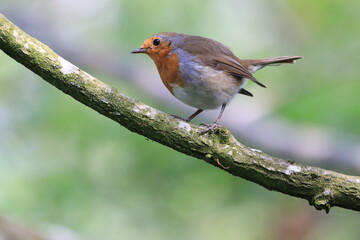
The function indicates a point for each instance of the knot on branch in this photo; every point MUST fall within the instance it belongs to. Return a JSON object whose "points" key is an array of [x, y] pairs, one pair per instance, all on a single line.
{"points": [[323, 200], [221, 135]]}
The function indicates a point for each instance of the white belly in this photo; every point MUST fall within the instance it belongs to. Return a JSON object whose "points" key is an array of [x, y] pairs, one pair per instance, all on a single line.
{"points": [[208, 88]]}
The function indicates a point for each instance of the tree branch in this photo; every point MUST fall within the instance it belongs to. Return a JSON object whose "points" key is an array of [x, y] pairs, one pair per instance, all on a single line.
{"points": [[322, 188]]}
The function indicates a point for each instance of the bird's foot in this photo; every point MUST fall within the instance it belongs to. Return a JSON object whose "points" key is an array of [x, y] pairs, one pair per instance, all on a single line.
{"points": [[209, 127], [178, 117]]}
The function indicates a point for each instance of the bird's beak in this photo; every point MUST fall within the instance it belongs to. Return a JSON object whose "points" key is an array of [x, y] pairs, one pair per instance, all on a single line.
{"points": [[140, 50]]}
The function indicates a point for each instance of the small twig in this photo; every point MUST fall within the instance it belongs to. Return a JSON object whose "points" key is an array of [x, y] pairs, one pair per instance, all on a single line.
{"points": [[219, 163]]}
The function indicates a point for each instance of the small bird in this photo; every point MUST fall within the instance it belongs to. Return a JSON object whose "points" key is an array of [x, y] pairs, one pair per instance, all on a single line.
{"points": [[202, 72]]}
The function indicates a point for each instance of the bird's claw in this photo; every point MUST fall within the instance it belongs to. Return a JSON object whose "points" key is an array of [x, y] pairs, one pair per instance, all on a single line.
{"points": [[210, 127]]}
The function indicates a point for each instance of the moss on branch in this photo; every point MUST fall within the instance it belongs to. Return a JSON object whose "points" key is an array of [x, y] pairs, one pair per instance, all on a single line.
{"points": [[322, 188]]}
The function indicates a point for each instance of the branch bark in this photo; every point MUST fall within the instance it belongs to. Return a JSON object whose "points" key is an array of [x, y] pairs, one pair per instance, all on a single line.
{"points": [[322, 188]]}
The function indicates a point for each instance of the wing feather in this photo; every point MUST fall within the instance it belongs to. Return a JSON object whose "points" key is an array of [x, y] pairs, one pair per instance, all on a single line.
{"points": [[214, 54]]}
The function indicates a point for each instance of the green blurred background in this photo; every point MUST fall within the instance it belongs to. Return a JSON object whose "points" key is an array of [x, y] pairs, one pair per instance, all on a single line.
{"points": [[70, 173]]}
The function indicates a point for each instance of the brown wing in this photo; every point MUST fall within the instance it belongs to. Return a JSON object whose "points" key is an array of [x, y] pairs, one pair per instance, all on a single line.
{"points": [[214, 54], [234, 68]]}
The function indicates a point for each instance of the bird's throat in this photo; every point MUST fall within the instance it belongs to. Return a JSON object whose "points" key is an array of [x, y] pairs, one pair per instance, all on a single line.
{"points": [[168, 68]]}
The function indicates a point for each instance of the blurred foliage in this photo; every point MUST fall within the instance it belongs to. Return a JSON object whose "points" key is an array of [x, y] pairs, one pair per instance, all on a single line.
{"points": [[329, 88], [64, 164]]}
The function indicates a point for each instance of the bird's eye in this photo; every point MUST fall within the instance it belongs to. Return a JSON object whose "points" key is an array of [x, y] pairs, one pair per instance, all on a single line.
{"points": [[156, 42]]}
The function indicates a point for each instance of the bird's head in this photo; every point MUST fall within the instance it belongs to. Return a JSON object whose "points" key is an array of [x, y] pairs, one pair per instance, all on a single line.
{"points": [[158, 45]]}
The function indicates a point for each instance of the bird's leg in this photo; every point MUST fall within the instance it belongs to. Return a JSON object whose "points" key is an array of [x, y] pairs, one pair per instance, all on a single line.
{"points": [[194, 115], [216, 124], [189, 118]]}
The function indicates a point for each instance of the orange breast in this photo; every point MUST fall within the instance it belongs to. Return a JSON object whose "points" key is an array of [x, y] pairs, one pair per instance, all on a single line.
{"points": [[168, 67]]}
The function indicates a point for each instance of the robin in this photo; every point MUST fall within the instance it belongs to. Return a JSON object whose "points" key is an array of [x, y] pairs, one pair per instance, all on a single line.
{"points": [[202, 72]]}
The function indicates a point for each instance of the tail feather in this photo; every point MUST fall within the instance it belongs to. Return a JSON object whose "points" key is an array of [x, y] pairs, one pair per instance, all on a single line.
{"points": [[254, 65], [245, 92], [275, 60]]}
